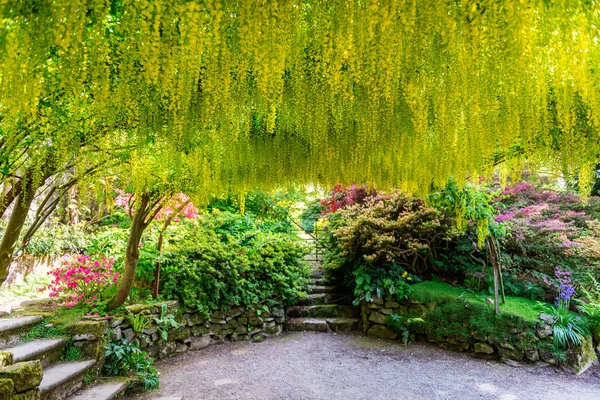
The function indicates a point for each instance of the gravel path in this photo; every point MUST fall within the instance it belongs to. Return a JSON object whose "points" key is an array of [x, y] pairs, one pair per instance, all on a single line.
{"points": [[331, 367]]}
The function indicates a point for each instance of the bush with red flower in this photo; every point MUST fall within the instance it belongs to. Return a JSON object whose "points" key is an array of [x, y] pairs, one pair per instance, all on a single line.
{"points": [[344, 196], [82, 280]]}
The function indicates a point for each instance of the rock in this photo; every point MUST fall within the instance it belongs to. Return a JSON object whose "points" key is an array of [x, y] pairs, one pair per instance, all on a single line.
{"points": [[549, 358], [25, 375], [418, 310], [512, 354], [6, 388], [483, 348], [451, 340], [391, 304], [242, 321], [199, 330], [532, 355], [386, 311], [377, 318], [509, 362], [31, 394], [275, 330], [117, 334], [580, 358], [92, 328], [382, 332], [84, 336], [218, 321], [149, 331], [544, 332], [6, 359], [181, 348], [166, 349], [258, 338], [179, 334], [195, 319], [128, 334], [431, 306], [200, 342], [277, 313], [548, 319], [451, 347], [114, 322]]}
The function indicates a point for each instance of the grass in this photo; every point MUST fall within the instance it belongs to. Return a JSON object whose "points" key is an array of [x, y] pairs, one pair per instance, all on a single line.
{"points": [[439, 292]]}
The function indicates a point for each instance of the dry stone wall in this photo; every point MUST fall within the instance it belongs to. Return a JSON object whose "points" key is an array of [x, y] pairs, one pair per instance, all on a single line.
{"points": [[512, 348], [197, 331]]}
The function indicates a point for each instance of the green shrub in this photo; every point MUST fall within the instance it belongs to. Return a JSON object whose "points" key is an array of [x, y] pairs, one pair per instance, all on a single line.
{"points": [[210, 269], [124, 358]]}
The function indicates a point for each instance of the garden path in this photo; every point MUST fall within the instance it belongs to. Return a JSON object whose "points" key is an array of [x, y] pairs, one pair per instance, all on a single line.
{"points": [[303, 366]]}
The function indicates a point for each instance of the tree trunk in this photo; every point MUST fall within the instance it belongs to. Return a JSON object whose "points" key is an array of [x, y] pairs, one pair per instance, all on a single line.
{"points": [[494, 260], [156, 282], [14, 227], [132, 253]]}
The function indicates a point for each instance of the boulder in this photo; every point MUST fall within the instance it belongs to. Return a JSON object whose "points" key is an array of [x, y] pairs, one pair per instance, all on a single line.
{"points": [[377, 318], [418, 310], [511, 354], [31, 394], [382, 332], [483, 348], [179, 334], [532, 355], [199, 342], [580, 358], [25, 375]]}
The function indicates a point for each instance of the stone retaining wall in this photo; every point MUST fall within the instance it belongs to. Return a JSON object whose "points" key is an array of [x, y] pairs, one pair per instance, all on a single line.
{"points": [[197, 331], [537, 348]]}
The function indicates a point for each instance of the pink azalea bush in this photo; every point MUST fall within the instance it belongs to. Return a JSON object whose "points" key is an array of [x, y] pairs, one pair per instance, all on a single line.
{"points": [[81, 279], [549, 229]]}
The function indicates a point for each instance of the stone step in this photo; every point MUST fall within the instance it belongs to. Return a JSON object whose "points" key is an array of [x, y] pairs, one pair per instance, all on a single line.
{"points": [[323, 298], [12, 328], [45, 350], [62, 380], [103, 390], [342, 324], [322, 311], [328, 281], [321, 289], [306, 324], [317, 274], [322, 324]]}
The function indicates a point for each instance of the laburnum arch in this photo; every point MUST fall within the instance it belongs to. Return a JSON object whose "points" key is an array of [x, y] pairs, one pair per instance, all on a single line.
{"points": [[396, 93]]}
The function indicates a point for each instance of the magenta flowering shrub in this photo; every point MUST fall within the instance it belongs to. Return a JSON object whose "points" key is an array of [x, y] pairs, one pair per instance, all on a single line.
{"points": [[549, 229], [81, 279]]}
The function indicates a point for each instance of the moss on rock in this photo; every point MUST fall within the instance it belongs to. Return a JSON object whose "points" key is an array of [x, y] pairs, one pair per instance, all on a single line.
{"points": [[25, 375]]}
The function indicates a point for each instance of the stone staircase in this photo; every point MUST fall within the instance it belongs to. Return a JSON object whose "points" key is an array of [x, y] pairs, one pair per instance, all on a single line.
{"points": [[25, 362], [327, 308]]}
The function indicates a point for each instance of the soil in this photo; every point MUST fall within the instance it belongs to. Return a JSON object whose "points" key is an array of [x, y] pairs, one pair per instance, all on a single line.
{"points": [[340, 366]]}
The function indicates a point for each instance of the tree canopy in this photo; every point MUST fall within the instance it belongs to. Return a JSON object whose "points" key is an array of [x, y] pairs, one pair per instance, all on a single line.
{"points": [[400, 93]]}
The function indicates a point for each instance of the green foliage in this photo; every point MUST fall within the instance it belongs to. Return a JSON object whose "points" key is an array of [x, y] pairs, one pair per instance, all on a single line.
{"points": [[165, 321], [138, 322], [591, 306], [42, 331], [72, 354], [567, 329], [381, 282], [56, 239], [401, 324], [308, 217], [229, 260], [124, 358]]}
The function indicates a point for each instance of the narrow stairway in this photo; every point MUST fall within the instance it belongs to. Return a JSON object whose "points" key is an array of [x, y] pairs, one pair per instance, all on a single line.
{"points": [[60, 379], [327, 308]]}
